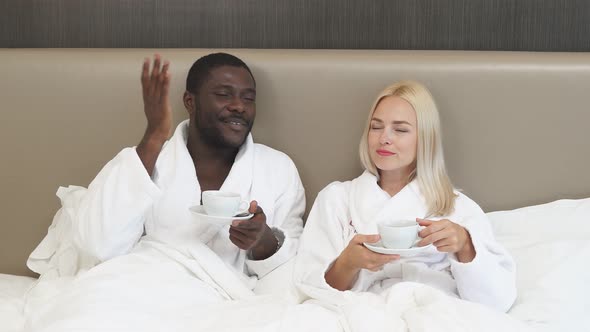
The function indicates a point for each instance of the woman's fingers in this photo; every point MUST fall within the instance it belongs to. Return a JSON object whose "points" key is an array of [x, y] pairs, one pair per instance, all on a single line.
{"points": [[434, 237], [375, 260], [433, 228], [448, 249], [362, 238]]}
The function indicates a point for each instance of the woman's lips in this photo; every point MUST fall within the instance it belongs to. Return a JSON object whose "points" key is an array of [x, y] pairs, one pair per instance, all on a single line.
{"points": [[385, 153]]}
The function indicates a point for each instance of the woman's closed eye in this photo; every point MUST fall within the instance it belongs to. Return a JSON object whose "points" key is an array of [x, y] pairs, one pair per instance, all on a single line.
{"points": [[401, 128]]}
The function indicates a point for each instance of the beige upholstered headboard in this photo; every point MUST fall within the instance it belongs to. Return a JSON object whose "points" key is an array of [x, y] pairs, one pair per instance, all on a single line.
{"points": [[516, 125]]}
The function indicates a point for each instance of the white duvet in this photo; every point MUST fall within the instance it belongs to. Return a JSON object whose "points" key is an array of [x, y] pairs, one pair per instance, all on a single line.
{"points": [[550, 244], [12, 290], [154, 288]]}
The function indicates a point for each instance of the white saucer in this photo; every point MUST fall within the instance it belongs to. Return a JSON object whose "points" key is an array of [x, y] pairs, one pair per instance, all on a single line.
{"points": [[414, 251], [199, 210]]}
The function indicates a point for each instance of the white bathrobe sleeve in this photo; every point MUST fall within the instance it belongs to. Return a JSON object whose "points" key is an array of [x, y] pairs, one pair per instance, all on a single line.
{"points": [[287, 219], [322, 241], [109, 219], [490, 278]]}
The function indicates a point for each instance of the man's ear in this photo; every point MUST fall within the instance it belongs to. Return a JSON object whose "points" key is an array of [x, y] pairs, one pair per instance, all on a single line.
{"points": [[189, 102]]}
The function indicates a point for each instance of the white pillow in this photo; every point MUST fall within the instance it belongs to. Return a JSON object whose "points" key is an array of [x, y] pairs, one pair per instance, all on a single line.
{"points": [[551, 246]]}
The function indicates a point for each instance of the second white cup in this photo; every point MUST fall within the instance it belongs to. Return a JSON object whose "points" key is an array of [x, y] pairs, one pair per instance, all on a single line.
{"points": [[398, 234]]}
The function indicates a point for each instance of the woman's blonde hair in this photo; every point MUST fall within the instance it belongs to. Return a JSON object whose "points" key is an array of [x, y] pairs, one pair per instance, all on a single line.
{"points": [[430, 171]]}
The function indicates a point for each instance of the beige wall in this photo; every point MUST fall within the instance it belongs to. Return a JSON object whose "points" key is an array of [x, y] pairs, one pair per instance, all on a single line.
{"points": [[515, 124]]}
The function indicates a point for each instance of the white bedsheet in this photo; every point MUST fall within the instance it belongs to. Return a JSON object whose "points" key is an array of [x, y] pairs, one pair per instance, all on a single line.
{"points": [[551, 246], [550, 243], [12, 291]]}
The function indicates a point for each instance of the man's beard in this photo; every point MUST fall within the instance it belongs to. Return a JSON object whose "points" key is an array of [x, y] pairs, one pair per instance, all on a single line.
{"points": [[213, 136]]}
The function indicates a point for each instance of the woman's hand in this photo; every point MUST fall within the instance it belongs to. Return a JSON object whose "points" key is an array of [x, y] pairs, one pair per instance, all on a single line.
{"points": [[448, 237], [356, 256], [352, 259]]}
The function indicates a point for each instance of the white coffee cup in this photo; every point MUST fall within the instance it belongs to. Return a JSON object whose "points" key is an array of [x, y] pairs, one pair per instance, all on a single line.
{"points": [[398, 234], [223, 204]]}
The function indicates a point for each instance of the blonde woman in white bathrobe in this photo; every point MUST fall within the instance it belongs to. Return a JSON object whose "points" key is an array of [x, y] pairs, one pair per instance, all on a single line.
{"points": [[404, 178]]}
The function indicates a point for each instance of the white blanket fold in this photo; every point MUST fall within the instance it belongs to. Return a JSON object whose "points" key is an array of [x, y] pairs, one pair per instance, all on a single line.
{"points": [[95, 264], [421, 308]]}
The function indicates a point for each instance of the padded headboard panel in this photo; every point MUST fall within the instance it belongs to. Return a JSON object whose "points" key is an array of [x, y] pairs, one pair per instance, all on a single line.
{"points": [[515, 125]]}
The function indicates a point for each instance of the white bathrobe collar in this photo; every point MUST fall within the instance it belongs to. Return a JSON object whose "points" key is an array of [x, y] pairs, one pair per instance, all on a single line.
{"points": [[369, 204], [176, 154]]}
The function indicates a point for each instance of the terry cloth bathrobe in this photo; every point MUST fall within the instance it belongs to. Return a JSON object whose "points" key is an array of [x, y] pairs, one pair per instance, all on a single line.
{"points": [[109, 218], [153, 252], [344, 209]]}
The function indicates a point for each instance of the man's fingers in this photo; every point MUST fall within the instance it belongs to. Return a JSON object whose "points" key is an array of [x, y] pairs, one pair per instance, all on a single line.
{"points": [[247, 225], [239, 232], [165, 67], [154, 74], [238, 241], [159, 81], [145, 74], [145, 69], [254, 208], [244, 236], [165, 89], [156, 68], [165, 86]]}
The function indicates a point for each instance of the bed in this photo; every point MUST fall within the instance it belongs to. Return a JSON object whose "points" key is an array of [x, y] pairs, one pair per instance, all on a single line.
{"points": [[515, 136]]}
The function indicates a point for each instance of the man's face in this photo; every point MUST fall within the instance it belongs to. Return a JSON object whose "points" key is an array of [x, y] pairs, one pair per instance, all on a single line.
{"points": [[226, 107]]}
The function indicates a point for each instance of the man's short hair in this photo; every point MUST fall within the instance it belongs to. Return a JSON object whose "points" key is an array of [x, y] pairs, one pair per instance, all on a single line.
{"points": [[202, 67]]}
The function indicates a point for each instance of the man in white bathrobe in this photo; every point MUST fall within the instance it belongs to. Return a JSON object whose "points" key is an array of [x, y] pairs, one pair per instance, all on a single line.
{"points": [[141, 198], [128, 254], [150, 188]]}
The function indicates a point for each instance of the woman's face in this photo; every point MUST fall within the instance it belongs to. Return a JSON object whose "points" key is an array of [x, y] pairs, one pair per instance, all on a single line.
{"points": [[393, 137]]}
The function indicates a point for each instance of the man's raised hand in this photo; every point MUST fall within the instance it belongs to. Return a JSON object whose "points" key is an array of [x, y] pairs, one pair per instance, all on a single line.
{"points": [[155, 88], [158, 112]]}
